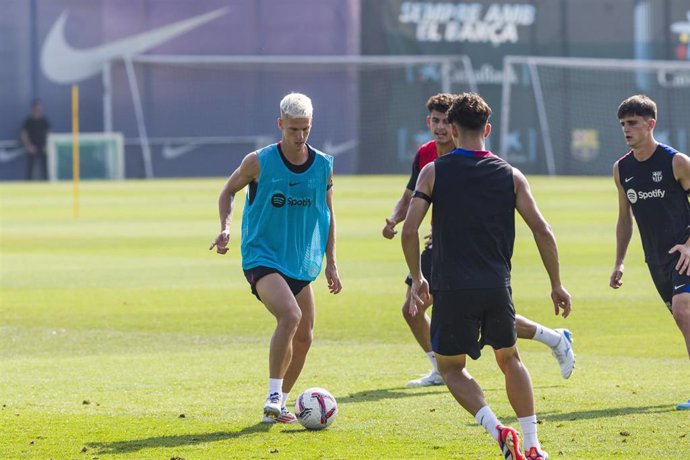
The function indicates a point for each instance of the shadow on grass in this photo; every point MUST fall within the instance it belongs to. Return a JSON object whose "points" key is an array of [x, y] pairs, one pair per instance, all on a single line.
{"points": [[388, 393], [605, 413], [135, 445]]}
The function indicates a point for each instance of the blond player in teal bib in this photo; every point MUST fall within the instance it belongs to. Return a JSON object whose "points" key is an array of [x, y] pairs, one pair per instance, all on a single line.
{"points": [[288, 226]]}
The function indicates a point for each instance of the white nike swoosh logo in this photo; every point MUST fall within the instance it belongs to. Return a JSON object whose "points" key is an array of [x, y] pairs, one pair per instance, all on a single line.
{"points": [[337, 149], [8, 155], [629, 179], [170, 152], [61, 63], [679, 286]]}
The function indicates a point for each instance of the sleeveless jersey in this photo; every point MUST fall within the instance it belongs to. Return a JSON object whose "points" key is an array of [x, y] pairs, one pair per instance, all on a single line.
{"points": [[658, 202], [286, 219], [474, 221], [425, 154]]}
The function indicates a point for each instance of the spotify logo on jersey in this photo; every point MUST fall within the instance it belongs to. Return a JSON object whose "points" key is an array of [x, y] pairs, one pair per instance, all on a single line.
{"points": [[278, 200]]}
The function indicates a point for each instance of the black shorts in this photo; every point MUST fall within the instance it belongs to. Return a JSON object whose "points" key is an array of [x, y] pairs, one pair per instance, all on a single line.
{"points": [[668, 281], [460, 316], [425, 258], [255, 274]]}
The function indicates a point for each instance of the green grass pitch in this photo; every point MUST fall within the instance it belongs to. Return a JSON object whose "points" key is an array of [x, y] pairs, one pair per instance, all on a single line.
{"points": [[123, 337]]}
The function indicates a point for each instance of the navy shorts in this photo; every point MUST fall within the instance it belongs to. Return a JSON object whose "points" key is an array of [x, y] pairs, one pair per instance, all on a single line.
{"points": [[425, 258], [253, 275], [467, 319], [668, 281]]}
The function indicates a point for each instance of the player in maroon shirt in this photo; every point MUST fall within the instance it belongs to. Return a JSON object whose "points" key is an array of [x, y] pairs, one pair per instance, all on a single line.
{"points": [[559, 340]]}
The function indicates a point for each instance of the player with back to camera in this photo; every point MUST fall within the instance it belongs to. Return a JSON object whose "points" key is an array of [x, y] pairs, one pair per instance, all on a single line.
{"points": [[559, 340], [475, 195], [288, 225], [653, 182]]}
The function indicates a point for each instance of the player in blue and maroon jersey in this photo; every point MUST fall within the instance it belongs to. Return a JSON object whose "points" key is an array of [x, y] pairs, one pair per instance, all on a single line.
{"points": [[475, 195], [653, 182], [559, 340]]}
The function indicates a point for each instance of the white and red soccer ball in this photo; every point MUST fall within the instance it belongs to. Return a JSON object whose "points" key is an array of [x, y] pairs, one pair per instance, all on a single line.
{"points": [[316, 408]]}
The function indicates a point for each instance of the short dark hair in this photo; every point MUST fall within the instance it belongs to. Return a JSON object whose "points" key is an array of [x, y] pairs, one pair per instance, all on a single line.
{"points": [[440, 102], [469, 111], [637, 105]]}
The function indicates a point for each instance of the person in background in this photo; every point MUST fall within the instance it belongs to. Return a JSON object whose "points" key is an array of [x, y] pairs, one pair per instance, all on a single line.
{"points": [[34, 137]]}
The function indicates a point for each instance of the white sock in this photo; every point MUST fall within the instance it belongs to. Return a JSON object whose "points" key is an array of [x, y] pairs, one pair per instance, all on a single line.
{"points": [[486, 418], [275, 386], [285, 398], [432, 359], [528, 425], [547, 336]]}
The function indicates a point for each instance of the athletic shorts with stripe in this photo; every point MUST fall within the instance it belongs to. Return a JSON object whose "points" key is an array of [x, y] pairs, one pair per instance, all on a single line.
{"points": [[668, 281]]}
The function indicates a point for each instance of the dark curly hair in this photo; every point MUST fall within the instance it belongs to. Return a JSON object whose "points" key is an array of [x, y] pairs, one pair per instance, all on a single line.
{"points": [[440, 102], [469, 111]]}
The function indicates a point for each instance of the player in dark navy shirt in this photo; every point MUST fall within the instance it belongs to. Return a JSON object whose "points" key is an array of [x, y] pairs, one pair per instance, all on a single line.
{"points": [[475, 195], [558, 340], [653, 182]]}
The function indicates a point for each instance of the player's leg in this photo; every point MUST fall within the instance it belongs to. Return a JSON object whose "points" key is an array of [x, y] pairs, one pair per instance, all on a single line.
{"points": [[419, 326], [559, 340], [29, 165], [455, 327], [43, 165], [499, 331], [681, 314], [301, 342], [672, 287], [276, 295]]}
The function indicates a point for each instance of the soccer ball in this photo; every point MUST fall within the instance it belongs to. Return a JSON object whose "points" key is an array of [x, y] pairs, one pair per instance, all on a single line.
{"points": [[316, 408]]}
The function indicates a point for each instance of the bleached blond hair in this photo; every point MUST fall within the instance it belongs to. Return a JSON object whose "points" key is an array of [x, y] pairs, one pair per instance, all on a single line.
{"points": [[296, 105]]}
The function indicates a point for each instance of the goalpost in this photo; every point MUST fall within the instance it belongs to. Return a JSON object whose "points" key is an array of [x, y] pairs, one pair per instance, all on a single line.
{"points": [[559, 114], [101, 156]]}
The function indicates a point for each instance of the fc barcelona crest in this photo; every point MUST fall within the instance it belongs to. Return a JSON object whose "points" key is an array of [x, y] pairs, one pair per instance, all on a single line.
{"points": [[656, 176]]}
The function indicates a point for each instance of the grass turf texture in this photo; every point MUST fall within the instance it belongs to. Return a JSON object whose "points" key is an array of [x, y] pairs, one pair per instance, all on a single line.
{"points": [[122, 336]]}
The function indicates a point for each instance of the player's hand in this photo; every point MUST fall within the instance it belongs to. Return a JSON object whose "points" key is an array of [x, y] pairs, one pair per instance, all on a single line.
{"points": [[418, 295], [221, 242], [616, 276], [683, 265], [561, 301], [334, 284], [389, 230]]}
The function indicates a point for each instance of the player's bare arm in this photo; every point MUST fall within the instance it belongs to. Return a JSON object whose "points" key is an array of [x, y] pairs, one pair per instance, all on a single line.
{"points": [[681, 171], [419, 291], [545, 240], [331, 271], [247, 172], [398, 215], [624, 230]]}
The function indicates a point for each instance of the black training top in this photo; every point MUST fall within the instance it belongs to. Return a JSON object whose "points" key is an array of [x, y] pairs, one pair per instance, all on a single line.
{"points": [[37, 130], [659, 203], [474, 221]]}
